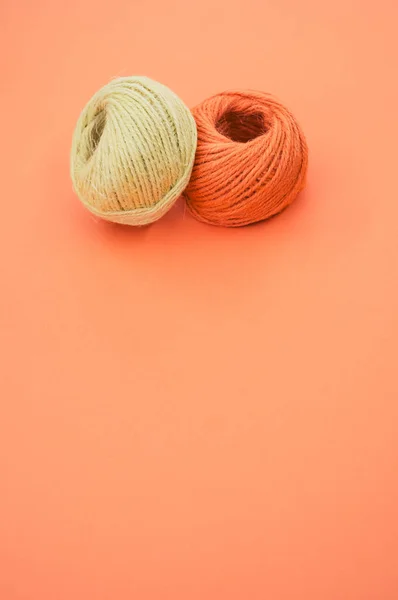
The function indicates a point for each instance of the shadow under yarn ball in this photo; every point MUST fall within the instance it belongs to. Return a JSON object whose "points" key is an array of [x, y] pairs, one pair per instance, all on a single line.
{"points": [[133, 151], [251, 159]]}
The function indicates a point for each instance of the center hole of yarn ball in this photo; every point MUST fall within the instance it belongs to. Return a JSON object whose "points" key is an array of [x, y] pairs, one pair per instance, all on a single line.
{"points": [[97, 128], [241, 126]]}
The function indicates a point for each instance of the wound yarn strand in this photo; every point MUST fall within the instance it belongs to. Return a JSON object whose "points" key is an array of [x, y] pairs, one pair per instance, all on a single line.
{"points": [[251, 159], [133, 151]]}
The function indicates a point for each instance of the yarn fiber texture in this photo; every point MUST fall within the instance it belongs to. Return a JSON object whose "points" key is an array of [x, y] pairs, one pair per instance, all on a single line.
{"points": [[133, 150], [251, 159]]}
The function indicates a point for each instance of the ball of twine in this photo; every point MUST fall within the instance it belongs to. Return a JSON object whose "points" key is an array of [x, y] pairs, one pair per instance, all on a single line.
{"points": [[251, 159], [133, 150]]}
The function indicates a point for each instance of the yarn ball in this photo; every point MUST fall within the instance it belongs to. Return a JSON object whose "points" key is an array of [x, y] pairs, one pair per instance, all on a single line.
{"points": [[251, 159], [133, 150]]}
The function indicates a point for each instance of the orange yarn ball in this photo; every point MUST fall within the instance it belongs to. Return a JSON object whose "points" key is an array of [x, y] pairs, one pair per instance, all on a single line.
{"points": [[251, 159]]}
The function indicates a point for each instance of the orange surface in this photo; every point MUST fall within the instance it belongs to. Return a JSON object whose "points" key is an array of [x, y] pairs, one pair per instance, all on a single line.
{"points": [[191, 412]]}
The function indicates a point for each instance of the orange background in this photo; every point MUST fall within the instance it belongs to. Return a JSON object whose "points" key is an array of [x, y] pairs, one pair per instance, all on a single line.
{"points": [[190, 412]]}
